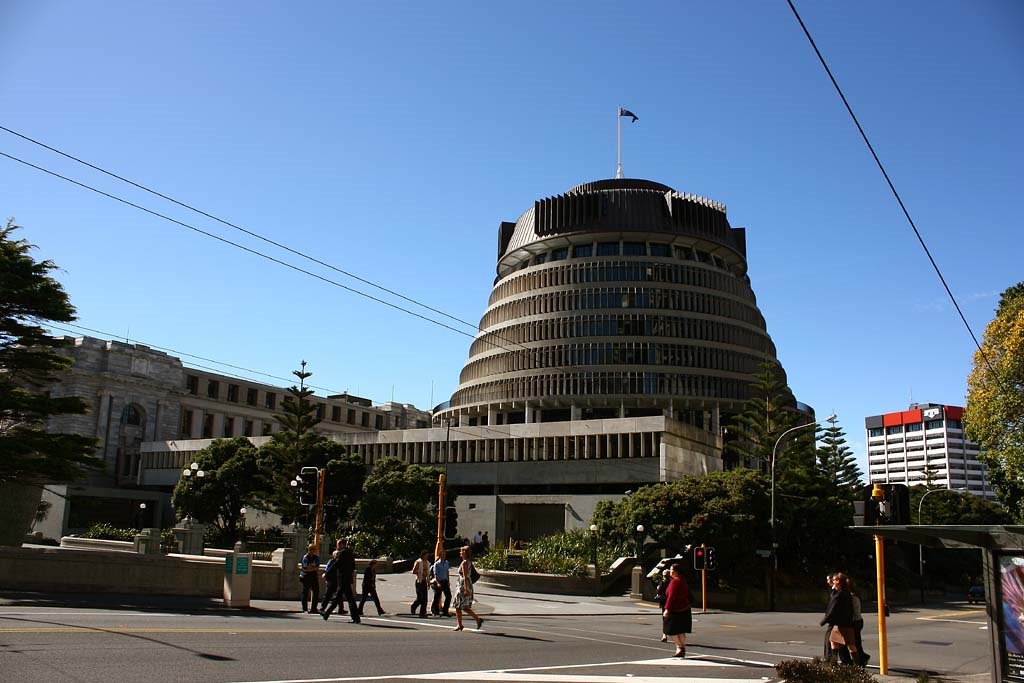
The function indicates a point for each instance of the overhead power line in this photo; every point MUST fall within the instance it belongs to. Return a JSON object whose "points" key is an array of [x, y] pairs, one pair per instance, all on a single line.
{"points": [[892, 187]]}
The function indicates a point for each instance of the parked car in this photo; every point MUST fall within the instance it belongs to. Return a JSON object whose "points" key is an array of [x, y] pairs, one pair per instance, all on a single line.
{"points": [[976, 594]]}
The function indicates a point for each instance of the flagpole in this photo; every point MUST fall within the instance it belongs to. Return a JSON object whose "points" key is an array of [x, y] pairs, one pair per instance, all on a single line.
{"points": [[618, 158]]}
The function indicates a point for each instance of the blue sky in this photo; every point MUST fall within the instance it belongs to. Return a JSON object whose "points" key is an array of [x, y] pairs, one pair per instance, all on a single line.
{"points": [[390, 139]]}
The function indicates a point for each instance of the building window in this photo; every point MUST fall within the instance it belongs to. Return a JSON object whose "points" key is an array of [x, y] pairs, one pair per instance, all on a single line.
{"points": [[132, 415], [251, 396], [247, 428], [916, 427], [320, 411], [208, 426], [267, 427], [335, 413], [933, 424], [608, 249], [895, 429], [366, 419], [229, 426], [213, 389], [186, 424], [378, 422], [658, 249], [583, 250], [954, 424], [192, 384], [351, 419], [271, 400], [875, 431], [233, 393], [634, 249]]}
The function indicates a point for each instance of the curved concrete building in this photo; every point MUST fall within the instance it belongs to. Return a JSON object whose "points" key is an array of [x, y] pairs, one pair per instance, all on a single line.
{"points": [[619, 298]]}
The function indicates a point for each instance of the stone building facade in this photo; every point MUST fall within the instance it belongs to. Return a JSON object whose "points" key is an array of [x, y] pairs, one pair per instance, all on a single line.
{"points": [[137, 394]]}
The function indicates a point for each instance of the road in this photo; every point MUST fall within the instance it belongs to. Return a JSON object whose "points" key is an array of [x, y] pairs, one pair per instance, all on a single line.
{"points": [[524, 638]]}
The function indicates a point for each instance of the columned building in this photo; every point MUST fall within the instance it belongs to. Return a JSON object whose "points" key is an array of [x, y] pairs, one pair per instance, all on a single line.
{"points": [[620, 336], [925, 444]]}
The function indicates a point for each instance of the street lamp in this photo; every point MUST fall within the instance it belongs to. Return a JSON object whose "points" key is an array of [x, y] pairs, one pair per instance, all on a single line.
{"points": [[774, 561], [593, 547], [241, 535], [920, 547], [193, 470], [142, 512], [639, 544]]}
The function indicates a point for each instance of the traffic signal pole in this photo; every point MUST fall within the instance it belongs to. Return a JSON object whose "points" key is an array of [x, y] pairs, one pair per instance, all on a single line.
{"points": [[318, 525], [704, 581], [883, 642], [439, 546]]}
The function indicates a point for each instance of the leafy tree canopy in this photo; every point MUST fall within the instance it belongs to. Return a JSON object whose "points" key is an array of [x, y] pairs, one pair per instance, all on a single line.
{"points": [[994, 416], [29, 365], [396, 514], [232, 481]]}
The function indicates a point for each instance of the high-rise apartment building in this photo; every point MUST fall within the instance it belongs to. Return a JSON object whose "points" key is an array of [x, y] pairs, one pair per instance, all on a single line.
{"points": [[925, 444]]}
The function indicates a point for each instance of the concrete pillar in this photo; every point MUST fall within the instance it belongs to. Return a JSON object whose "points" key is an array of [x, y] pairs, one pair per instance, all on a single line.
{"points": [[491, 415], [189, 536], [574, 412], [147, 541], [529, 413], [287, 562]]}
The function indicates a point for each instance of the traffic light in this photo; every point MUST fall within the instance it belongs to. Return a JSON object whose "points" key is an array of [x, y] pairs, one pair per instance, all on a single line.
{"points": [[699, 561], [307, 480], [451, 523], [898, 503], [865, 510], [882, 504], [710, 560]]}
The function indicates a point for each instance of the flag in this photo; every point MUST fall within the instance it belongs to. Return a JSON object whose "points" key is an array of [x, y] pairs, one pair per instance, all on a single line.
{"points": [[626, 112]]}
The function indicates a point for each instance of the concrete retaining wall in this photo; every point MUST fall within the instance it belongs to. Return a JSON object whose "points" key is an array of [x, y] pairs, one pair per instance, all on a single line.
{"points": [[113, 571]]}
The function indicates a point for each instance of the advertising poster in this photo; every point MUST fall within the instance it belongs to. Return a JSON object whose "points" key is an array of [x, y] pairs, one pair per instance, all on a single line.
{"points": [[1011, 572]]}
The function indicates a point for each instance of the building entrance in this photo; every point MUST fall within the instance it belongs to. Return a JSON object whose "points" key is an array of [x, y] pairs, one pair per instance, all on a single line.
{"points": [[532, 521]]}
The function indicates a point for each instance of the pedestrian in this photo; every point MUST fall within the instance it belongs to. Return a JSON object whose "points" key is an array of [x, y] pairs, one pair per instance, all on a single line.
{"points": [[858, 624], [330, 581], [441, 571], [309, 577], [660, 596], [345, 566], [677, 619], [485, 543], [464, 590], [421, 568], [827, 651], [370, 588], [839, 615]]}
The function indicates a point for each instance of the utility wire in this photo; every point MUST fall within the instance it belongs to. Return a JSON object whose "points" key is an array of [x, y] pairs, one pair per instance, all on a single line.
{"points": [[254, 252], [279, 245], [892, 187]]}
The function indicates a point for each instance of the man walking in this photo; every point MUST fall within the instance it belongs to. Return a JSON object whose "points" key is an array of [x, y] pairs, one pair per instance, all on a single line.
{"points": [[421, 569], [345, 563], [442, 584]]}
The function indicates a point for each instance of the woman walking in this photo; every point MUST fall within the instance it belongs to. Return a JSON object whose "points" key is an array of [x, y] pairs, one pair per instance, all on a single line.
{"points": [[839, 615], [660, 596], [464, 591], [677, 620]]}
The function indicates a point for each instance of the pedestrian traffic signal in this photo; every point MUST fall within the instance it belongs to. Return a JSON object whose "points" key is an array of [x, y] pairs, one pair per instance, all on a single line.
{"points": [[710, 560], [451, 523], [699, 561], [882, 504]]}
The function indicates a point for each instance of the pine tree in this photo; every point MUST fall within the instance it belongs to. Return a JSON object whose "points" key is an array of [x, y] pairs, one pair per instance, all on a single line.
{"points": [[767, 414], [29, 366], [836, 462]]}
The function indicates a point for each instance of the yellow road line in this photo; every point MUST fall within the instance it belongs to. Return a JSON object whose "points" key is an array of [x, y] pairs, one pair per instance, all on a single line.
{"points": [[961, 613]]}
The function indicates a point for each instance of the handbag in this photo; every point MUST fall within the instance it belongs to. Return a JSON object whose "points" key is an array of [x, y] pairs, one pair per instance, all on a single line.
{"points": [[836, 636], [474, 575]]}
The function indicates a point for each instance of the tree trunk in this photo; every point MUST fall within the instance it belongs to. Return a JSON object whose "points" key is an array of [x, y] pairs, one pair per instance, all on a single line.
{"points": [[18, 505]]}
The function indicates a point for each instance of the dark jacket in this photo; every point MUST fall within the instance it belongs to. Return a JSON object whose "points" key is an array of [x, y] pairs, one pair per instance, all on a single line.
{"points": [[346, 565], [840, 610], [369, 579]]}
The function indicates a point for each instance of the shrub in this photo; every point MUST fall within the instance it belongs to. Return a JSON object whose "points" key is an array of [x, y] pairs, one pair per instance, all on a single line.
{"points": [[567, 553], [819, 671], [109, 532]]}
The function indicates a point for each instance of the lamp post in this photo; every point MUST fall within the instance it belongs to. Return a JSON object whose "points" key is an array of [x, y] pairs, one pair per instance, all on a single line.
{"points": [[920, 547], [639, 544], [593, 548], [774, 558], [241, 534], [142, 513]]}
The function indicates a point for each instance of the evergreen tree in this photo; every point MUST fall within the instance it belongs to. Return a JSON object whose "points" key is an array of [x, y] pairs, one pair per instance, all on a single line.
{"points": [[836, 462], [995, 400], [767, 414], [231, 480], [29, 366]]}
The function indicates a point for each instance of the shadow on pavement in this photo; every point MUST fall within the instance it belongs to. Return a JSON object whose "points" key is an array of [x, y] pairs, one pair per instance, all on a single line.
{"points": [[162, 603]]}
